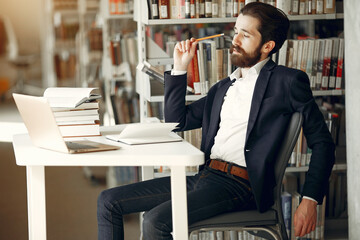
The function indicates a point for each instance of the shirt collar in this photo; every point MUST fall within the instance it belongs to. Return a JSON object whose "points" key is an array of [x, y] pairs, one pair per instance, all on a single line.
{"points": [[257, 68]]}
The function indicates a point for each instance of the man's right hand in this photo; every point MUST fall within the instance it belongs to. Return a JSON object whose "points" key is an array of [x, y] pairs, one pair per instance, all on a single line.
{"points": [[184, 51]]}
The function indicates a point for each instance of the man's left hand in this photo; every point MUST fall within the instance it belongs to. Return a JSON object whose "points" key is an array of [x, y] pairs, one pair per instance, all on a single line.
{"points": [[305, 217]]}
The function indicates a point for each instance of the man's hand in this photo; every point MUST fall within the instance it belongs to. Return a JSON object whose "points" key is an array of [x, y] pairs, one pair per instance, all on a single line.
{"points": [[305, 217], [184, 51]]}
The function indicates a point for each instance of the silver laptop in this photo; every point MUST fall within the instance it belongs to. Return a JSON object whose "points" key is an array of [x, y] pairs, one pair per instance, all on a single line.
{"points": [[44, 131]]}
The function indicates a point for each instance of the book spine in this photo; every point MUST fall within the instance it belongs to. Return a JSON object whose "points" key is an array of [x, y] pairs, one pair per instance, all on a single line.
{"points": [[187, 8], [154, 9], [326, 64], [295, 7], [284, 5], [192, 9], [333, 64], [340, 63], [302, 7], [173, 9], [329, 6], [202, 8], [112, 7], [181, 9], [319, 6], [229, 8], [310, 58], [320, 64], [215, 9], [286, 208], [222, 8], [236, 8], [208, 8], [164, 9]]}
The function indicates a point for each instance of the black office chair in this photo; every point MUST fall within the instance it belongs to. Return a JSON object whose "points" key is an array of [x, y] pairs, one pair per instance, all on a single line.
{"points": [[270, 224]]}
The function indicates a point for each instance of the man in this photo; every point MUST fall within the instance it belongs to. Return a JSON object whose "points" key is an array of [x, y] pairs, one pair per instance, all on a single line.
{"points": [[243, 119]]}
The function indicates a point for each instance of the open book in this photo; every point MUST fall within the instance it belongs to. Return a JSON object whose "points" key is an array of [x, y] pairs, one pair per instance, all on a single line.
{"points": [[144, 133], [70, 97]]}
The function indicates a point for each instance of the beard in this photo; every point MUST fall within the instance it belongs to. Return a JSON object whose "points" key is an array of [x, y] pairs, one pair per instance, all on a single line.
{"points": [[243, 59]]}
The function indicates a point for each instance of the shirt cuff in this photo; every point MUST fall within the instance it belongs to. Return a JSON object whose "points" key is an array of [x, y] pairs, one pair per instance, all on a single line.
{"points": [[309, 198], [175, 72]]}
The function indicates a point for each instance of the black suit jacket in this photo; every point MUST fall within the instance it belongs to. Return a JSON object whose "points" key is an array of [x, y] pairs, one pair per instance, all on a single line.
{"points": [[279, 91]]}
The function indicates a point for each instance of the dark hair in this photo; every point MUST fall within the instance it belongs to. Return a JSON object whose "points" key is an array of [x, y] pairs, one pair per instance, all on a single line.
{"points": [[274, 24]]}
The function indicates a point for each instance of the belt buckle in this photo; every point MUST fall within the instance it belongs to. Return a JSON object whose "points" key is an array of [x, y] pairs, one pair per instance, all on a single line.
{"points": [[229, 166]]}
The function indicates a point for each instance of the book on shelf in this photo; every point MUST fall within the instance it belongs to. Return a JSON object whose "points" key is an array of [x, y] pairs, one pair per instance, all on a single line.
{"points": [[333, 63], [329, 6], [193, 78], [120, 47], [121, 7], [70, 97], [301, 154], [286, 200], [65, 65], [326, 64], [125, 108], [319, 58], [165, 9], [339, 70], [319, 6]]}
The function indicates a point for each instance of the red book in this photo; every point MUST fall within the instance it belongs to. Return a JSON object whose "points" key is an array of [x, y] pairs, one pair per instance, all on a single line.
{"points": [[340, 63], [193, 74], [326, 65]]}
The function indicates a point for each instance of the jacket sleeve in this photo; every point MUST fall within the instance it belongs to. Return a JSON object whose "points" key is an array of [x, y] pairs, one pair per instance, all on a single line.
{"points": [[317, 136], [175, 108]]}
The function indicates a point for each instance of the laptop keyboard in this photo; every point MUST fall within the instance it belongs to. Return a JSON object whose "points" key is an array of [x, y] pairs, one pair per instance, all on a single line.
{"points": [[75, 146]]}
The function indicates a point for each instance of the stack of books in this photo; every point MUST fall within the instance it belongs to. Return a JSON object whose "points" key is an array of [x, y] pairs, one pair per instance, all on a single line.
{"points": [[76, 110]]}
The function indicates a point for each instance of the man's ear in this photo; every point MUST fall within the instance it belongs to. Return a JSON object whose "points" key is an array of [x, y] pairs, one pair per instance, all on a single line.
{"points": [[268, 47]]}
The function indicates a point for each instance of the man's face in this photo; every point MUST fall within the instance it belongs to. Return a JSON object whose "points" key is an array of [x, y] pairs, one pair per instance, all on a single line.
{"points": [[246, 44]]}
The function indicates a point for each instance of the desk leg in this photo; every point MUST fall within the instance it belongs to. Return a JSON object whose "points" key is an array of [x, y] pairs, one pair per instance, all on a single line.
{"points": [[36, 202], [179, 202]]}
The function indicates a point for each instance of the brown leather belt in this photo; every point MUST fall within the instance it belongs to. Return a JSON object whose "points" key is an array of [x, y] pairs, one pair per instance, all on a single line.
{"points": [[229, 168]]}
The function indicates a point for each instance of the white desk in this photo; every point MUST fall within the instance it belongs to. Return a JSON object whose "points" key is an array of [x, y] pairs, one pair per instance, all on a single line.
{"points": [[176, 155]]}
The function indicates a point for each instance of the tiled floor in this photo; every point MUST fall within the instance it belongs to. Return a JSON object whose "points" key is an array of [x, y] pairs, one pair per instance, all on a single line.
{"points": [[70, 196]]}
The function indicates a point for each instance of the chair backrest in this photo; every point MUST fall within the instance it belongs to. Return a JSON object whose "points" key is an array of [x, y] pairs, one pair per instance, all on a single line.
{"points": [[286, 149]]}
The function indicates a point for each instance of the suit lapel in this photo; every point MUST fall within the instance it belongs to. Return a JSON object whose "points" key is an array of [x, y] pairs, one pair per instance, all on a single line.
{"points": [[215, 111], [259, 91]]}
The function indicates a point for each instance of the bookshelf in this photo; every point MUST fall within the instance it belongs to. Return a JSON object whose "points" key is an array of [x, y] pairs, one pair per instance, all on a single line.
{"points": [[118, 62], [89, 42], [310, 23], [68, 57]]}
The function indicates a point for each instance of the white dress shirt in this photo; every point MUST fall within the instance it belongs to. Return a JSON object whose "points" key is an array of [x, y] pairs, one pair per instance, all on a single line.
{"points": [[230, 139]]}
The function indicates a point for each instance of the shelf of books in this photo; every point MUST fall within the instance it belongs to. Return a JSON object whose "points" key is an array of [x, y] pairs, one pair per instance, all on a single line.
{"points": [[65, 38], [118, 66], [158, 46]]}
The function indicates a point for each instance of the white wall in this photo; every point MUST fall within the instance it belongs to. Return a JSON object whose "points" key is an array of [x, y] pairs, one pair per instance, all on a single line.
{"points": [[352, 86]]}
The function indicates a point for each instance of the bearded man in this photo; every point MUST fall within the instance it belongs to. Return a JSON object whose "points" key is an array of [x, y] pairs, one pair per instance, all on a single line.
{"points": [[243, 120]]}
